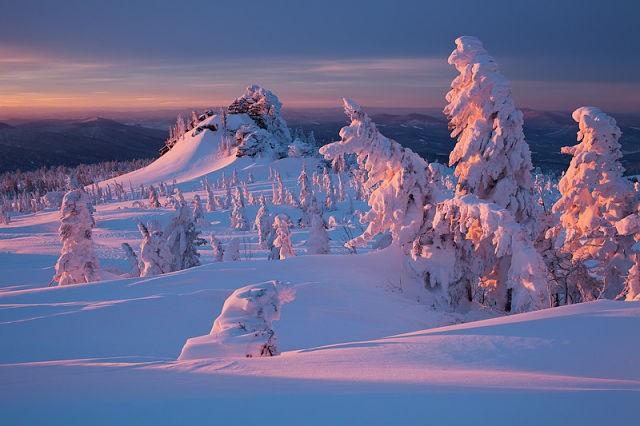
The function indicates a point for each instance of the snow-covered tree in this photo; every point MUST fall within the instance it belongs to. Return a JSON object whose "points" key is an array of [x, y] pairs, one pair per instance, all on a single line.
{"points": [[232, 250], [594, 196], [300, 148], [154, 202], [277, 189], [264, 225], [77, 263], [282, 241], [340, 191], [305, 196], [132, 259], [211, 201], [198, 212], [5, 218], [318, 240], [492, 158], [183, 239], [330, 201], [478, 246], [403, 185], [155, 256], [238, 217], [216, 248], [476, 251]]}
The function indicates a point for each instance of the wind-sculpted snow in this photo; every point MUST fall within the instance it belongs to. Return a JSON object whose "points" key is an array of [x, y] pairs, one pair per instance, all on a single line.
{"points": [[244, 327]]}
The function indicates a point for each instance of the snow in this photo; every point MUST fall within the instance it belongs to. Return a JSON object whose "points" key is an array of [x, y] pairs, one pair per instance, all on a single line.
{"points": [[353, 346]]}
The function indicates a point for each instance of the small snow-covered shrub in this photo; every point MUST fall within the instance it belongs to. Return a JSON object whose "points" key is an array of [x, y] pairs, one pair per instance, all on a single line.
{"points": [[244, 327]]}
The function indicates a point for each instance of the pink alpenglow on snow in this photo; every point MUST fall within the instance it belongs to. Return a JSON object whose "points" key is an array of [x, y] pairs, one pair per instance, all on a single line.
{"points": [[492, 158], [594, 196]]}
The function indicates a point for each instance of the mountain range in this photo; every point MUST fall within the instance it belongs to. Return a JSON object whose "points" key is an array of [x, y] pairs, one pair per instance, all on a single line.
{"points": [[32, 144]]}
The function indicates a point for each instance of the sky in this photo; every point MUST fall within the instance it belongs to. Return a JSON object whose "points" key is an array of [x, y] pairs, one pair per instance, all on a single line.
{"points": [[136, 55]]}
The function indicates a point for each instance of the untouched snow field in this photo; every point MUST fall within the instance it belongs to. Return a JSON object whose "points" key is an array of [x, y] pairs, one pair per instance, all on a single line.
{"points": [[354, 349]]}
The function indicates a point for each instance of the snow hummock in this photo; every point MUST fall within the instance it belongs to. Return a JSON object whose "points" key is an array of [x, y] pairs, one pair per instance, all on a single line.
{"points": [[244, 328]]}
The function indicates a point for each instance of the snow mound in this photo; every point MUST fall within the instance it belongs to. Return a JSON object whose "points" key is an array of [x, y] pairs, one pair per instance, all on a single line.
{"points": [[244, 328]]}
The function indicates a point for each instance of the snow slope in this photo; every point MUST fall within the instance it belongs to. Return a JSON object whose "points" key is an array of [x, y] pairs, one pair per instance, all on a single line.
{"points": [[193, 156], [527, 369]]}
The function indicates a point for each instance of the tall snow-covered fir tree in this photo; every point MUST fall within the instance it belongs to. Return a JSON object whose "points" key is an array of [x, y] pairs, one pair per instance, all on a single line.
{"points": [[492, 158], [402, 185], [77, 263], [594, 196], [482, 237]]}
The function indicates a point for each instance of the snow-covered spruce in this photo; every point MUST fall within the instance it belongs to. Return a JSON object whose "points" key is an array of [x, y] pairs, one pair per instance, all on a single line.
{"points": [[403, 185], [216, 248], [238, 216], [77, 263], [492, 158], [183, 239], [282, 241], [305, 196], [318, 239], [155, 256], [264, 225], [476, 251], [630, 225], [244, 327], [132, 259], [154, 202], [198, 211], [270, 136], [232, 250], [594, 196]]}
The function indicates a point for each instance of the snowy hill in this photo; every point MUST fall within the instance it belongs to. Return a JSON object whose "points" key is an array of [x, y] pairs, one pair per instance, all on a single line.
{"points": [[193, 156], [251, 129]]}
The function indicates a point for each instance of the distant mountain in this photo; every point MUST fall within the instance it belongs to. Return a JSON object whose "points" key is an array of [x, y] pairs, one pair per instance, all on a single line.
{"points": [[70, 142], [428, 135]]}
